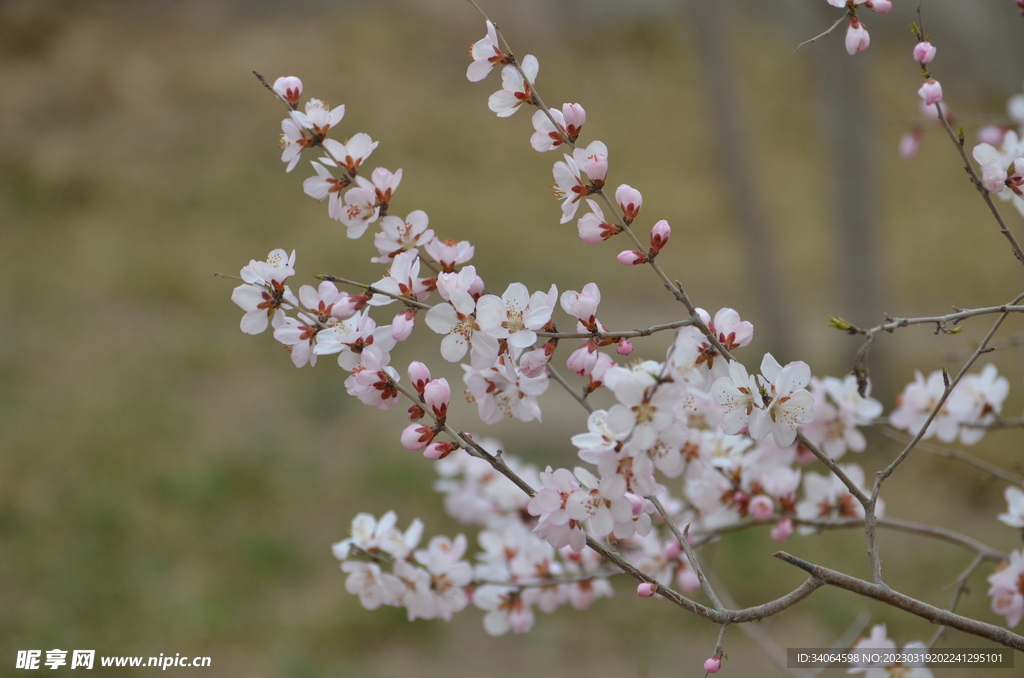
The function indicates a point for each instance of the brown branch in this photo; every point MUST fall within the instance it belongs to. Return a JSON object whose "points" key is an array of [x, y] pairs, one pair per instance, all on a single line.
{"points": [[628, 334], [951, 453], [822, 35], [976, 180], [869, 510], [884, 594], [961, 588]]}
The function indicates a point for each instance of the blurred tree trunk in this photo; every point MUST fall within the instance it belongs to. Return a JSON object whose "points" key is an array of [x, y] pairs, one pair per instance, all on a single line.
{"points": [[731, 134], [849, 135]]}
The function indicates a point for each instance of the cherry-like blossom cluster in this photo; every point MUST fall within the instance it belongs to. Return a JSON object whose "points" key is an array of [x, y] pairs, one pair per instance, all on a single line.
{"points": [[1007, 582], [1002, 161], [384, 567], [693, 439], [1007, 588], [975, 403]]}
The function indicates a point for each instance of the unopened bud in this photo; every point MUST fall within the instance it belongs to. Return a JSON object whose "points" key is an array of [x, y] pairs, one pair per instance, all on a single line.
{"points": [[416, 437], [646, 589], [924, 52], [660, 235], [930, 92], [782, 530], [630, 201], [631, 258], [419, 375], [289, 88], [437, 451], [761, 507]]}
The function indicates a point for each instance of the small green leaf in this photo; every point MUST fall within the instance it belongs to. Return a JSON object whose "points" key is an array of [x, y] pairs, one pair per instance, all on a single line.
{"points": [[839, 323]]}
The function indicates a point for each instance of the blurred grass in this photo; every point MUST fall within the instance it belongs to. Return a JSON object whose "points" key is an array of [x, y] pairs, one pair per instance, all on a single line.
{"points": [[170, 485]]}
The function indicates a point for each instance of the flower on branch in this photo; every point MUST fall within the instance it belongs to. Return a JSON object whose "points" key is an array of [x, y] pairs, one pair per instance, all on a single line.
{"points": [[857, 38], [1007, 590], [485, 54], [515, 90], [289, 88]]}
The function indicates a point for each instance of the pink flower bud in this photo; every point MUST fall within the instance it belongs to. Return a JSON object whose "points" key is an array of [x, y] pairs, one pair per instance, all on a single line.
{"points": [[583, 359], [782, 530], [574, 116], [477, 287], [857, 38], [761, 507], [992, 135], [289, 88], [879, 6], [924, 52], [910, 142], [416, 437], [660, 235], [437, 451], [712, 664], [419, 375], [593, 229], [437, 394], [534, 363], [687, 580], [631, 258], [630, 201], [347, 305], [673, 549], [402, 325], [646, 589], [930, 92], [624, 347]]}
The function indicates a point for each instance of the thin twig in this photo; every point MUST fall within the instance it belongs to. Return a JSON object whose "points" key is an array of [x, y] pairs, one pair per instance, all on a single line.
{"points": [[628, 334], [869, 510], [370, 289], [756, 633], [580, 398], [684, 542], [822, 35], [940, 321], [986, 196], [961, 588], [931, 531], [951, 453]]}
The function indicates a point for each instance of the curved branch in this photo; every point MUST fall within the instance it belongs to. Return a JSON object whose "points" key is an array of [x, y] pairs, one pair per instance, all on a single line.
{"points": [[884, 594]]}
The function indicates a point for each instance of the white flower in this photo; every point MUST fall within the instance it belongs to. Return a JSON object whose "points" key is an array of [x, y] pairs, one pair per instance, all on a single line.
{"points": [[515, 91], [515, 316], [787, 403], [1014, 516], [739, 395], [485, 53]]}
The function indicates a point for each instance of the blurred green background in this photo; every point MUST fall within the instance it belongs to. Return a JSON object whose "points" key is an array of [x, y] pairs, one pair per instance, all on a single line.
{"points": [[169, 485]]}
